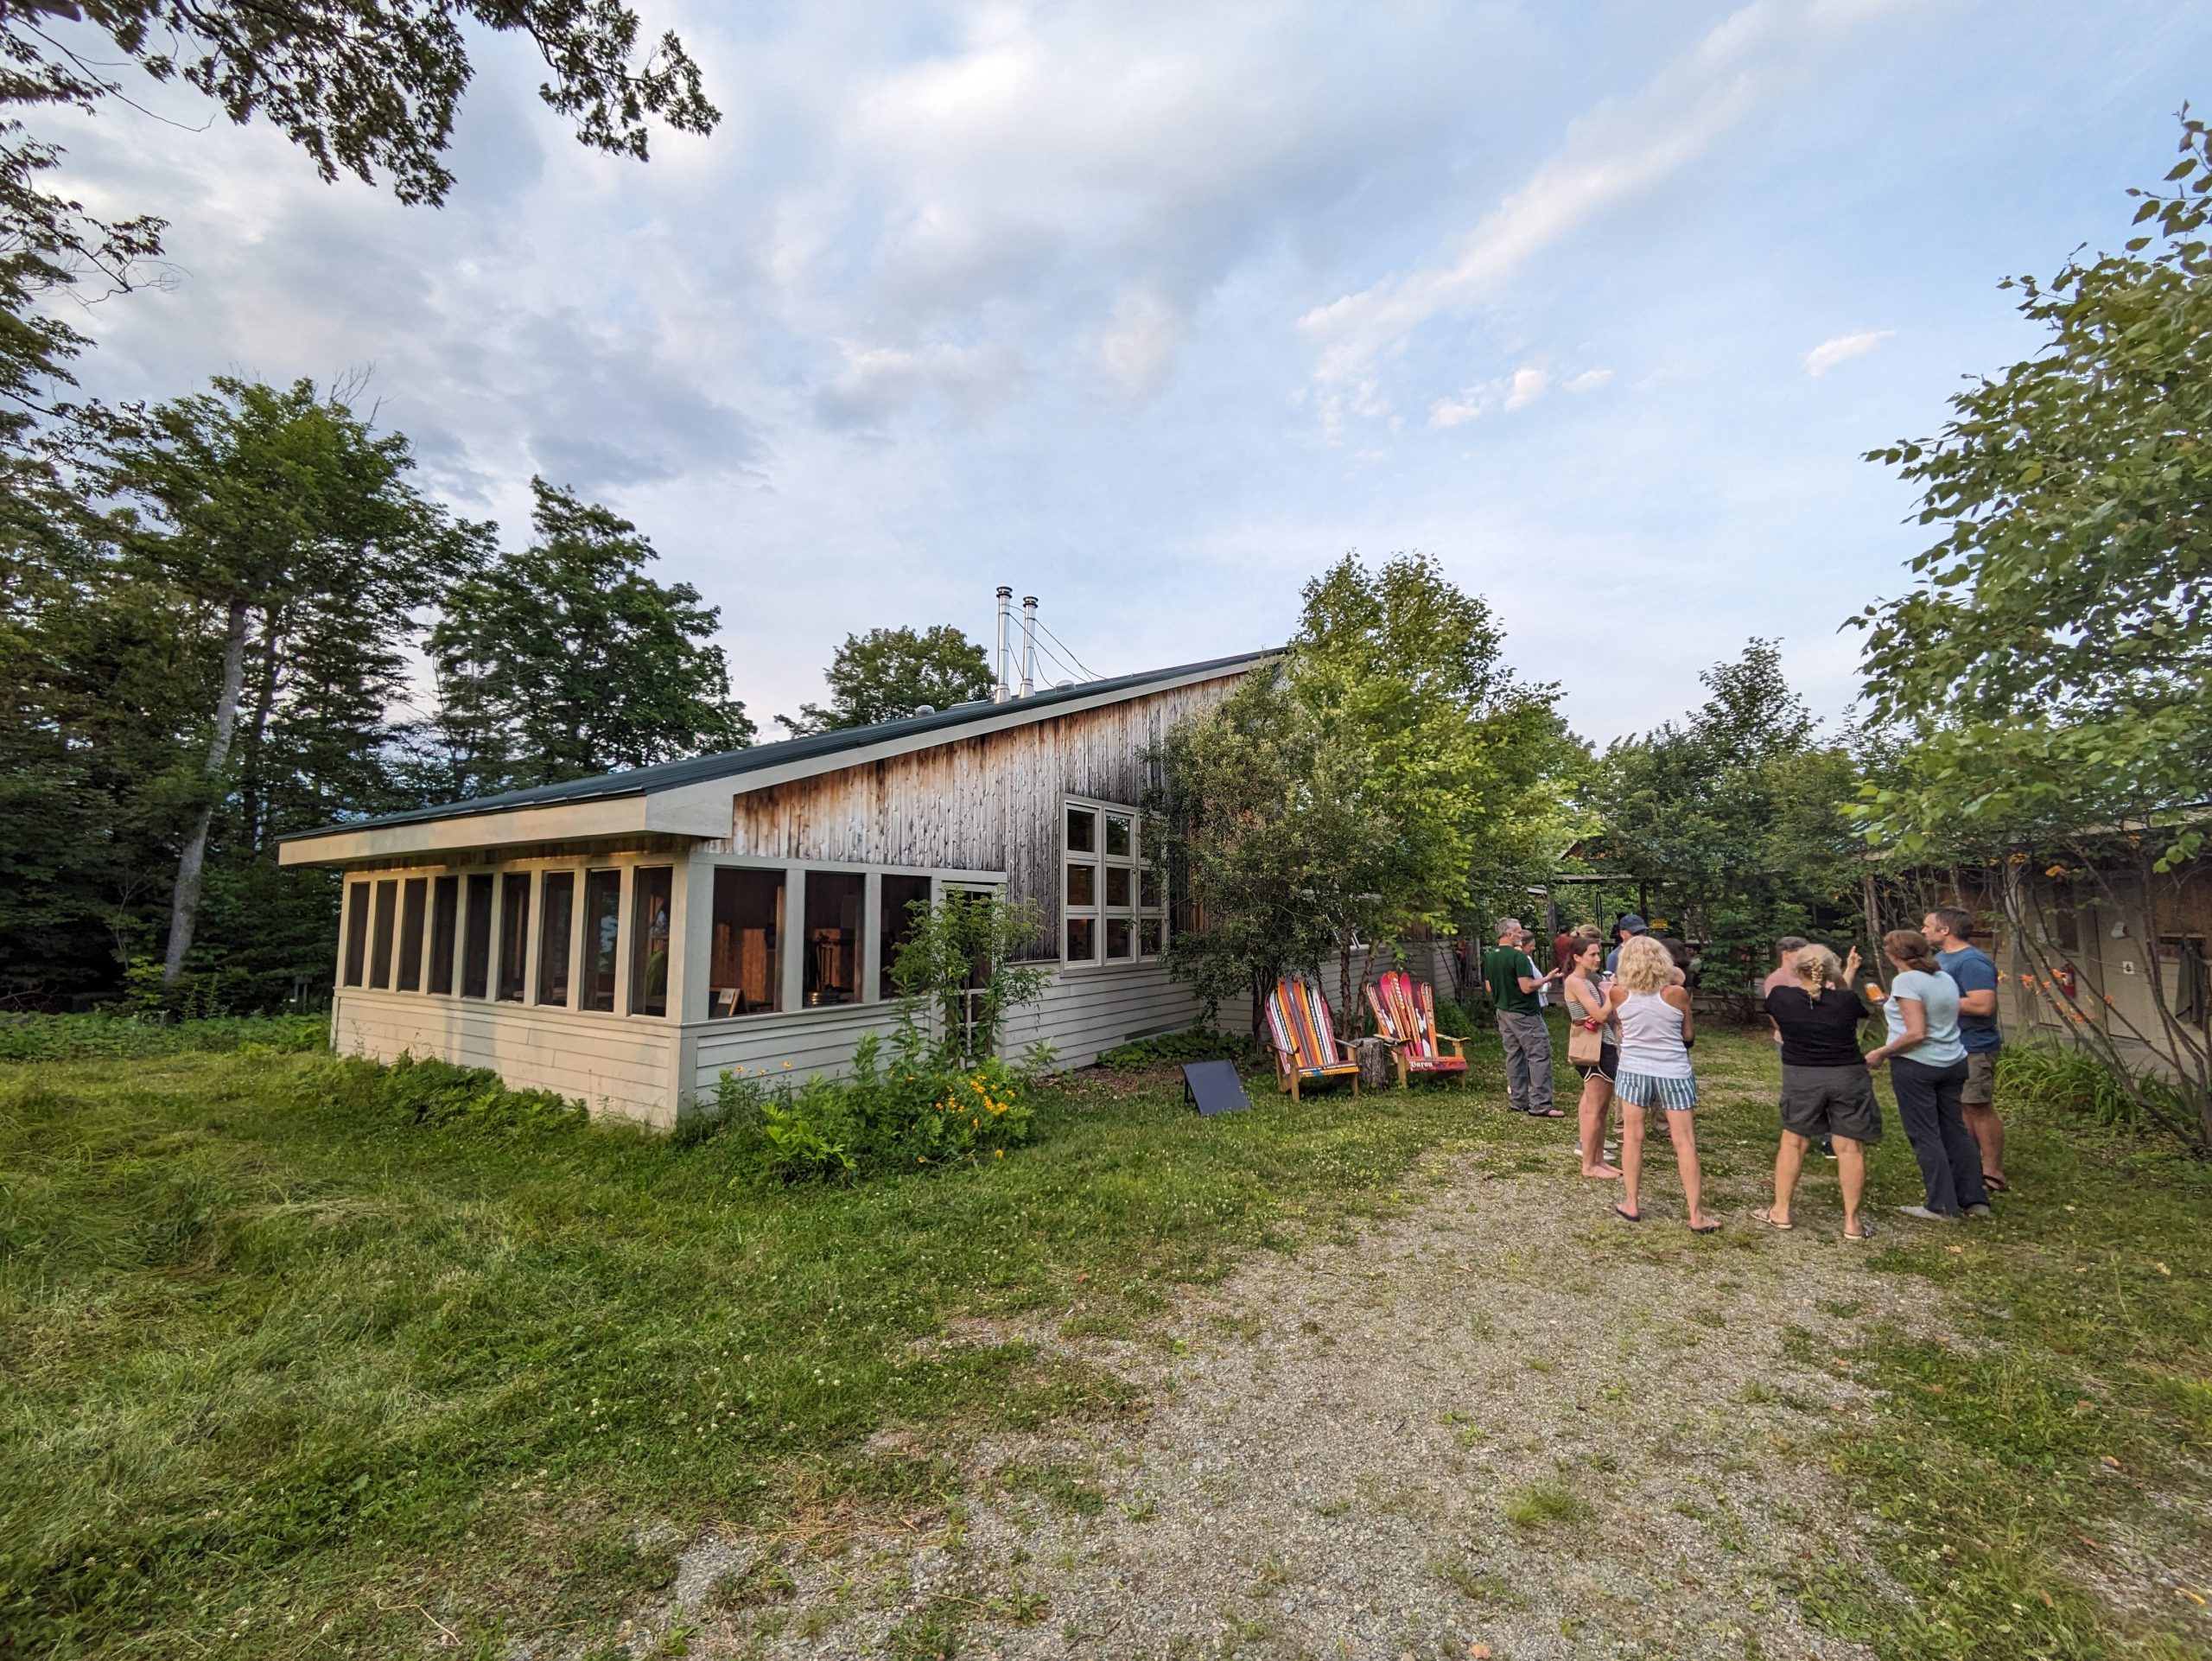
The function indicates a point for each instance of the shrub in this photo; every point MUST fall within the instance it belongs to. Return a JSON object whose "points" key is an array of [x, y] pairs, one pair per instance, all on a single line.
{"points": [[2068, 1079], [437, 1092], [1167, 1049]]}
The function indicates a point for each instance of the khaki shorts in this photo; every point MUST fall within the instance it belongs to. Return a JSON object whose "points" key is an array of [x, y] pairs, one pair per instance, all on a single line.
{"points": [[1980, 1087]]}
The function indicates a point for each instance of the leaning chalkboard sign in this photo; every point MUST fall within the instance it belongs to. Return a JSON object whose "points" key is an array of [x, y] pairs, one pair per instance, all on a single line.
{"points": [[1213, 1087]]}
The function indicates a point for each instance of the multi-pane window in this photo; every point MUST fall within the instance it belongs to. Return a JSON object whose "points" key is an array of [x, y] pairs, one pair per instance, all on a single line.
{"points": [[1111, 906], [602, 924], [745, 973], [650, 897]]}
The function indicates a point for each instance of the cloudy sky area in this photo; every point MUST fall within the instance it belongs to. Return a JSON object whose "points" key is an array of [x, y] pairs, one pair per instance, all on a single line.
{"points": [[1153, 311]]}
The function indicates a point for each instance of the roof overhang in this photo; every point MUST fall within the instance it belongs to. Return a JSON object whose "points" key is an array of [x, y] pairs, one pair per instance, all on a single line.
{"points": [[699, 809]]}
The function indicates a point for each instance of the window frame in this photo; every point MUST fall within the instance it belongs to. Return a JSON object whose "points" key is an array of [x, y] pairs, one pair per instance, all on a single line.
{"points": [[1102, 913]]}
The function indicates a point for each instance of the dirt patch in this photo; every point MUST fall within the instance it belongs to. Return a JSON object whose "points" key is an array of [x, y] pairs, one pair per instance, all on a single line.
{"points": [[1502, 1418]]}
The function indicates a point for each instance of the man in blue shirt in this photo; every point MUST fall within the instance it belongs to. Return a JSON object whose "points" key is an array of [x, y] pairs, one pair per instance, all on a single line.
{"points": [[1949, 930], [1627, 929]]}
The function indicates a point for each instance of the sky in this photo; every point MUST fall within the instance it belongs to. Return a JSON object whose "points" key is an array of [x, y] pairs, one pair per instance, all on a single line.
{"points": [[1154, 311]]}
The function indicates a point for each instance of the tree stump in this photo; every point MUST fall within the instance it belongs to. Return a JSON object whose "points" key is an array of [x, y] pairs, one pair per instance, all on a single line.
{"points": [[1374, 1057]]}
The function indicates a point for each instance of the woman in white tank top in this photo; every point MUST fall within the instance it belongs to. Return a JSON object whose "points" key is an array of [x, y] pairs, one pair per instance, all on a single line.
{"points": [[1657, 1026]]}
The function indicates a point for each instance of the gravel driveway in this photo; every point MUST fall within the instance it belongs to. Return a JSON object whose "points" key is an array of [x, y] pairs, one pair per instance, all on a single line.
{"points": [[1499, 1421]]}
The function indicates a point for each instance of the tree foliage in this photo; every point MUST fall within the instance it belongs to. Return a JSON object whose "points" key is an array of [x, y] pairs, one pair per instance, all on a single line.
{"points": [[889, 672], [1371, 784], [2049, 679], [1732, 820], [565, 660]]}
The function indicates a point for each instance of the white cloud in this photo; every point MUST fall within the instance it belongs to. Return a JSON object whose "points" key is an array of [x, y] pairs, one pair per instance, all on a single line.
{"points": [[1528, 386], [1455, 412], [1828, 354], [879, 381], [1589, 380], [1137, 348], [1615, 153]]}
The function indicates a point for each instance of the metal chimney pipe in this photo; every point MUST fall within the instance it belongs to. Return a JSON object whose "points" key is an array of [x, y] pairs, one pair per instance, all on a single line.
{"points": [[1028, 644], [1006, 621]]}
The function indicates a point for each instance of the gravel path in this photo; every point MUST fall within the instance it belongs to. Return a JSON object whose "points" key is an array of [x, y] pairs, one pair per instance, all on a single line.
{"points": [[1499, 1421]]}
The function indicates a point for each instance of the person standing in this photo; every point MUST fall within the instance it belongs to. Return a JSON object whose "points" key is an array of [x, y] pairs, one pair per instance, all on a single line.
{"points": [[1826, 1089], [1928, 1069], [1950, 930], [1627, 929], [1515, 985], [1563, 950], [1657, 1026], [1784, 973], [1586, 1006]]}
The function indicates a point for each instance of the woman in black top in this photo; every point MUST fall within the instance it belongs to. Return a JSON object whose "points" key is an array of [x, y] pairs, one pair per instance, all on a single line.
{"points": [[1826, 1090]]}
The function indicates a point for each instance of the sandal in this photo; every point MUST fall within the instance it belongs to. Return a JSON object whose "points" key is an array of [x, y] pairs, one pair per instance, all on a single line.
{"points": [[1865, 1233], [1548, 1113], [1765, 1215], [1995, 1184], [1627, 1216], [1709, 1228]]}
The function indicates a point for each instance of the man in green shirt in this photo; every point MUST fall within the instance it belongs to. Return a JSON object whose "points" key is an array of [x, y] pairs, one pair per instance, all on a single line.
{"points": [[1515, 989]]}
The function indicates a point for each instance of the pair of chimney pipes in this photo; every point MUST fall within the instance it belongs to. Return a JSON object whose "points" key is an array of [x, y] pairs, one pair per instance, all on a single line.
{"points": [[1004, 690]]}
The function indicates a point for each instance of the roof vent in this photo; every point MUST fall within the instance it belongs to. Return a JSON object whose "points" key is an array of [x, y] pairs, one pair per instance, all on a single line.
{"points": [[925, 708], [1063, 686]]}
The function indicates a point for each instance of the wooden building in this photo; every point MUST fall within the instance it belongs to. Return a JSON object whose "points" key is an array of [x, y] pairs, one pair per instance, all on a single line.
{"points": [[625, 939]]}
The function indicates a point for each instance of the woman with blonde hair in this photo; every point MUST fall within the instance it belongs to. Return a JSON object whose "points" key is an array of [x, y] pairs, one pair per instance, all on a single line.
{"points": [[1826, 1089], [1657, 1025], [1927, 1072]]}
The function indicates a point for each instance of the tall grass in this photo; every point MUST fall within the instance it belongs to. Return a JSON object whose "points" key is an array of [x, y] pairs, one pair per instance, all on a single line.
{"points": [[88, 1037]]}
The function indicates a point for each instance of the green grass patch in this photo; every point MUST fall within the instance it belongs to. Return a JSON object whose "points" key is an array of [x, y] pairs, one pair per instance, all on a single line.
{"points": [[300, 1355], [91, 1037], [1539, 1504]]}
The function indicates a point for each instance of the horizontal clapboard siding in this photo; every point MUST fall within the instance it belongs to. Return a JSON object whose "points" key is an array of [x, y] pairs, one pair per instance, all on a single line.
{"points": [[620, 1067], [1083, 1012], [794, 1045]]}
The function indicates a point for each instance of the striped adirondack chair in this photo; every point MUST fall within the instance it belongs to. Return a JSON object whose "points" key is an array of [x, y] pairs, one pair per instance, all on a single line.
{"points": [[1304, 1041], [1405, 1013]]}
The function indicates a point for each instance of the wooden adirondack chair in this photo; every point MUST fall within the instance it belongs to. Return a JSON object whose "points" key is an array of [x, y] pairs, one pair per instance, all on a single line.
{"points": [[1304, 1039], [1405, 1013]]}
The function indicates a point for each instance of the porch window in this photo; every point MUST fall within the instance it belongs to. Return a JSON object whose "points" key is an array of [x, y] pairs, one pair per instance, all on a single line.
{"points": [[602, 927], [746, 972], [414, 897], [558, 903], [832, 964], [445, 918], [514, 933], [380, 934], [900, 894], [649, 897], [476, 937], [357, 930]]}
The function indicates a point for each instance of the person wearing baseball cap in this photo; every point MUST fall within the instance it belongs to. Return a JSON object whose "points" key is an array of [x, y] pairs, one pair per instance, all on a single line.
{"points": [[1627, 929]]}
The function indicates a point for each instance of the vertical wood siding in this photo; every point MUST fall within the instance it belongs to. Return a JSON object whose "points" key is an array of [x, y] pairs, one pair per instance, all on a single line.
{"points": [[985, 804]]}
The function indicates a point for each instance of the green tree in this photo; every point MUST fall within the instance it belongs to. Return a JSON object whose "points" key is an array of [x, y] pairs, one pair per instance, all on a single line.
{"points": [[1387, 771], [566, 660], [288, 531], [2049, 678], [889, 672], [1732, 820]]}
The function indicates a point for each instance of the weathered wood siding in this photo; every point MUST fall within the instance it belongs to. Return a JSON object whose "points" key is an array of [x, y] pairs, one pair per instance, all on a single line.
{"points": [[621, 1067], [985, 804]]}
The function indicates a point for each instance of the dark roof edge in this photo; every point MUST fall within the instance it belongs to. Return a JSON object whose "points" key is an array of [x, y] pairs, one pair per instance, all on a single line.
{"points": [[731, 764]]}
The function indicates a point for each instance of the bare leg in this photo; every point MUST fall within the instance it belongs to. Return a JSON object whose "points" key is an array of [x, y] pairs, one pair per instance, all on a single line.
{"points": [[1788, 1160], [1851, 1176], [1988, 1133], [1631, 1157], [1597, 1096], [1683, 1130]]}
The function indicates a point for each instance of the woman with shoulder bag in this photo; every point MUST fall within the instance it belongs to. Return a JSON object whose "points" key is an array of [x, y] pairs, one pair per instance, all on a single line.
{"points": [[1594, 1051]]}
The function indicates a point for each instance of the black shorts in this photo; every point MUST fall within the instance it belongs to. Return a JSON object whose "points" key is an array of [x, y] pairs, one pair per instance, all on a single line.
{"points": [[1606, 1066], [1830, 1102]]}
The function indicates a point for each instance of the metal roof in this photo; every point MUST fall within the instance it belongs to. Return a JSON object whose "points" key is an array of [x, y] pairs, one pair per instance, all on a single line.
{"points": [[731, 764]]}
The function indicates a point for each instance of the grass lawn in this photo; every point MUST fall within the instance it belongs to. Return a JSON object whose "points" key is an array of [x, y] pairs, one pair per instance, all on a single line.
{"points": [[284, 1372]]}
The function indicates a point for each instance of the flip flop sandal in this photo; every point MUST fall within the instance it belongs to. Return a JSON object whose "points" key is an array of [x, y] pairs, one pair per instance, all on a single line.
{"points": [[1709, 1228], [1865, 1233], [1627, 1216], [1548, 1113], [1765, 1215], [1995, 1184]]}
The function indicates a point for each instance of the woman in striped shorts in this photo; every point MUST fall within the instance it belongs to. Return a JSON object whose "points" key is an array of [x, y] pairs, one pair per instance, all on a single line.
{"points": [[1655, 1027]]}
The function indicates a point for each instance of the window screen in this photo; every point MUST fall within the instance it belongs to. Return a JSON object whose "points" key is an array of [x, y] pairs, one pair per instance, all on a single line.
{"points": [[832, 967], [445, 918], [357, 930], [380, 933], [602, 919], [746, 975], [414, 900], [900, 894], [514, 933], [476, 937], [556, 903], [649, 899]]}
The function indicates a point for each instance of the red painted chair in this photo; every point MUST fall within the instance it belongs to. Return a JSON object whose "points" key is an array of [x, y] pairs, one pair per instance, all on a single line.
{"points": [[1405, 1015]]}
